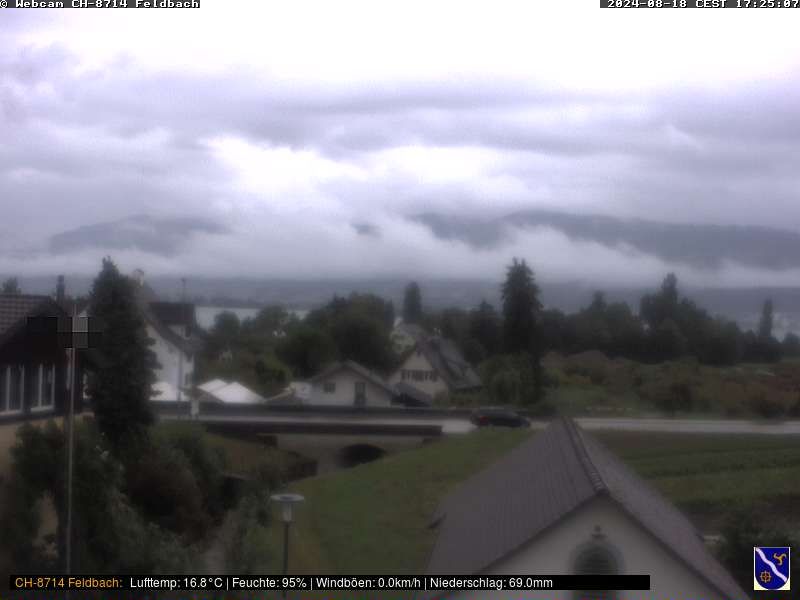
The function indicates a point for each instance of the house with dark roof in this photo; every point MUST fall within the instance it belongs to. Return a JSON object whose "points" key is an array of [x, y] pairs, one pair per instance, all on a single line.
{"points": [[561, 503], [348, 383], [35, 334], [433, 366], [177, 338]]}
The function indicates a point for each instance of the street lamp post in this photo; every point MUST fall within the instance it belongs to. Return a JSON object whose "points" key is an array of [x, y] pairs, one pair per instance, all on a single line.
{"points": [[286, 503]]}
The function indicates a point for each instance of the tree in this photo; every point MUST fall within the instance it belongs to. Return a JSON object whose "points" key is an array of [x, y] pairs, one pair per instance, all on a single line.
{"points": [[361, 338], [11, 286], [486, 328], [791, 345], [412, 303], [121, 390], [306, 350], [767, 319], [521, 308], [657, 308]]}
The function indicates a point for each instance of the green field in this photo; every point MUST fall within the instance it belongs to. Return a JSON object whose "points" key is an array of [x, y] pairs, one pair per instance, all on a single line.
{"points": [[590, 383], [374, 518]]}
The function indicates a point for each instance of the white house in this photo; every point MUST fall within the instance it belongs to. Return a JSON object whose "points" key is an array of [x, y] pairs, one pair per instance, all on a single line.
{"points": [[173, 328], [561, 503], [349, 384], [435, 365]]}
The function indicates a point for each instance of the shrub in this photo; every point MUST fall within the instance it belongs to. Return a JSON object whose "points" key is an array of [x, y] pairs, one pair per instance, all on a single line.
{"points": [[163, 486], [206, 462], [743, 529], [765, 404]]}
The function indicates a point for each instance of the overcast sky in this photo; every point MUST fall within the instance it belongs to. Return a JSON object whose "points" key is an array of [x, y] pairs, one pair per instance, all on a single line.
{"points": [[295, 138]]}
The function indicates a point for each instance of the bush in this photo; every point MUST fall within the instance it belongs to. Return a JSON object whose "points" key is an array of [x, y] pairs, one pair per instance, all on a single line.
{"points": [[765, 404], [743, 529], [677, 397], [163, 486], [250, 547], [206, 462]]}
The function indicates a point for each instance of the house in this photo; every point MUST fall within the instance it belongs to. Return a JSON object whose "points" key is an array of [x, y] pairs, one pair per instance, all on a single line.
{"points": [[405, 336], [434, 366], [176, 335], [233, 392], [34, 363], [347, 383], [561, 503]]}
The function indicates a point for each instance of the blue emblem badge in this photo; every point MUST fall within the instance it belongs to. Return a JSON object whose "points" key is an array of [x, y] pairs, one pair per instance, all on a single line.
{"points": [[771, 568]]}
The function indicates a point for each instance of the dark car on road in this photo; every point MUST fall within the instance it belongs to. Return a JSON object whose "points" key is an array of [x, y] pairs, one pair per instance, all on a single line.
{"points": [[498, 417]]}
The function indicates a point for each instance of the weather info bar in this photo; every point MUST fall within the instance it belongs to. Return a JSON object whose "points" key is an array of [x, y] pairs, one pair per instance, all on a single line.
{"points": [[699, 3], [99, 3], [146, 583]]}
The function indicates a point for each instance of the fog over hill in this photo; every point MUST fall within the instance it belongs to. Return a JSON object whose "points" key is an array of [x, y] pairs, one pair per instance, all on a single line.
{"points": [[695, 245]]}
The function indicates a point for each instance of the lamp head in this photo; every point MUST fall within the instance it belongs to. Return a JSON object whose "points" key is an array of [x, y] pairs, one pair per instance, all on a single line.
{"points": [[287, 502]]}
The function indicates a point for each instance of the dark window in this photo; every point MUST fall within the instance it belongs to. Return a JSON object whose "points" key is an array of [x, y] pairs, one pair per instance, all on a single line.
{"points": [[361, 392], [596, 560], [16, 387], [329, 387], [48, 385], [32, 386], [3, 390]]}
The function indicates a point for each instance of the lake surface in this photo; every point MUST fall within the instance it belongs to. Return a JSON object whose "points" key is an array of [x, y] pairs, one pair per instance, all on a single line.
{"points": [[207, 314]]}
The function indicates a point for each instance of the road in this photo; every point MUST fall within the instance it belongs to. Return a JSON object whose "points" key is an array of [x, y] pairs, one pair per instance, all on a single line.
{"points": [[709, 426]]}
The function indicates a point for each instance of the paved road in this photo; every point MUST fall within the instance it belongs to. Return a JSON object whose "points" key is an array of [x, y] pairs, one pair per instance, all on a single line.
{"points": [[686, 425]]}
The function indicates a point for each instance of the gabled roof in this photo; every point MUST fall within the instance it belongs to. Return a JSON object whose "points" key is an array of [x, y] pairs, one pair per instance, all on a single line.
{"points": [[150, 308], [233, 393], [404, 389], [411, 329], [174, 313], [360, 370], [541, 482], [447, 360]]}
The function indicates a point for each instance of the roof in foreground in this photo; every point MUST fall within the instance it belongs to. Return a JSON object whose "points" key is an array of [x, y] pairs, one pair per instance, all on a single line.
{"points": [[15, 307], [540, 482]]}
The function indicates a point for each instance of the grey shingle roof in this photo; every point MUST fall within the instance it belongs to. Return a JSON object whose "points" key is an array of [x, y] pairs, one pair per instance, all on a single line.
{"points": [[542, 481], [449, 363]]}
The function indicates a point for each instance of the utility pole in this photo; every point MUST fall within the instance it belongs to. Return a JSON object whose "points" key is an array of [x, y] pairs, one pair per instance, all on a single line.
{"points": [[71, 437], [186, 334]]}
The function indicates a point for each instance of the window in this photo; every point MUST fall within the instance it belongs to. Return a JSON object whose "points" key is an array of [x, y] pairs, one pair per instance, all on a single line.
{"points": [[3, 388], [361, 393], [596, 559], [47, 385], [187, 379], [329, 387], [16, 387], [33, 386]]}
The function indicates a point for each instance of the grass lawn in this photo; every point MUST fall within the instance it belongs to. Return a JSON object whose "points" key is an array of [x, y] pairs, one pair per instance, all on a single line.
{"points": [[373, 518]]}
